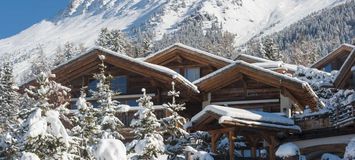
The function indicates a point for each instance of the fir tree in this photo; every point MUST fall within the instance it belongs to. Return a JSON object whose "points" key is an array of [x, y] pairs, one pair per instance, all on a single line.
{"points": [[87, 129], [114, 40], [148, 142], [110, 124], [176, 135], [45, 134], [8, 98], [8, 113], [269, 50]]}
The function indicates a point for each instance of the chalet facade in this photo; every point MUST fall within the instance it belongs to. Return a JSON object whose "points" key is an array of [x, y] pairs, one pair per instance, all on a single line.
{"points": [[262, 89]]}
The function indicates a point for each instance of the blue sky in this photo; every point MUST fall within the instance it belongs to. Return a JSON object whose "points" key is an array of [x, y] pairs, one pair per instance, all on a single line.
{"points": [[17, 15]]}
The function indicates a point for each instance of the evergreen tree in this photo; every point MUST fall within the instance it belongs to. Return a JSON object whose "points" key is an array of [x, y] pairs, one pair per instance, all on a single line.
{"points": [[8, 98], [8, 113], [148, 142], [114, 40], [110, 124], [269, 50], [44, 133], [176, 135], [87, 129], [40, 63]]}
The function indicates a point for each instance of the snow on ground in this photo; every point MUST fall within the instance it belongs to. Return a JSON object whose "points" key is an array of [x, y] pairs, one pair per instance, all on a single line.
{"points": [[287, 150], [110, 149], [328, 156], [350, 150], [29, 156]]}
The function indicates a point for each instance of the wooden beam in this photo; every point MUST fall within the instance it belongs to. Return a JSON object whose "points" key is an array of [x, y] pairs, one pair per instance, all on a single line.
{"points": [[288, 94], [231, 137]]}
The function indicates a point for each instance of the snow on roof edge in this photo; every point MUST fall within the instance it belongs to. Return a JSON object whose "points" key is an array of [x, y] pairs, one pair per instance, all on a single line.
{"points": [[189, 48], [158, 68], [246, 116]]}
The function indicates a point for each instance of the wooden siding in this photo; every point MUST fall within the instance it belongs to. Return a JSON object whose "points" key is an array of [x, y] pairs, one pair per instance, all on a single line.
{"points": [[248, 89]]}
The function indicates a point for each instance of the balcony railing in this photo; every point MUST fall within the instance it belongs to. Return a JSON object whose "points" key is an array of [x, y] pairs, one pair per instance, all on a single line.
{"points": [[343, 116], [340, 117]]}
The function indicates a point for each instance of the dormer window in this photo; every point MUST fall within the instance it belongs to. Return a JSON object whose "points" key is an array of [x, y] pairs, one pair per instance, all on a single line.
{"points": [[192, 73]]}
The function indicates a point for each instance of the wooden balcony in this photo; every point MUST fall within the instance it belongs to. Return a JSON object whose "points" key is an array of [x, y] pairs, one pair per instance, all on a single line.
{"points": [[342, 116]]}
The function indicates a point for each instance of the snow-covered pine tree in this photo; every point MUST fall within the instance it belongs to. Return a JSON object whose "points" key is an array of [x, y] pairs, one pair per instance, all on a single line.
{"points": [[8, 98], [173, 126], [8, 112], [86, 128], [268, 49], [148, 142], [110, 124], [44, 133], [114, 40]]}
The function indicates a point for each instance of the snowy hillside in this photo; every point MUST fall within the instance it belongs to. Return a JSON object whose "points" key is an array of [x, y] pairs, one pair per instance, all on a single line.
{"points": [[83, 19]]}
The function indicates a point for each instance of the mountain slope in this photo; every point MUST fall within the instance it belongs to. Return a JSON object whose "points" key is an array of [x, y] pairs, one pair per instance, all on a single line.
{"points": [[83, 19]]}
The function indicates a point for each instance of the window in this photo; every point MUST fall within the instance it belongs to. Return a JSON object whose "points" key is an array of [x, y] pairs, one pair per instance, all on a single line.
{"points": [[92, 86], [328, 68], [119, 84], [132, 103], [192, 74]]}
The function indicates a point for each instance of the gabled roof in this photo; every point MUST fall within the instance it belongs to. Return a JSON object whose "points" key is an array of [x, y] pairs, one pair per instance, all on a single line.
{"points": [[193, 53], [345, 71], [227, 116], [88, 61], [300, 90], [344, 49]]}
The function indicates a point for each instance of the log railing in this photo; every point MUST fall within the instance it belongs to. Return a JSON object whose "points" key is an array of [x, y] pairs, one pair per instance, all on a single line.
{"points": [[343, 115], [340, 117]]}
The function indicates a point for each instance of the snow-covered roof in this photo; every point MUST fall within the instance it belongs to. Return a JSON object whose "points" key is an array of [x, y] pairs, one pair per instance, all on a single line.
{"points": [[242, 116], [276, 65], [345, 71], [251, 59], [334, 53], [192, 49], [301, 89], [161, 69]]}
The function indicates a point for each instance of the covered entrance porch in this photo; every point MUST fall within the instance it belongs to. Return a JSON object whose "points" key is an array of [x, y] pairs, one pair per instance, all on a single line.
{"points": [[250, 134]]}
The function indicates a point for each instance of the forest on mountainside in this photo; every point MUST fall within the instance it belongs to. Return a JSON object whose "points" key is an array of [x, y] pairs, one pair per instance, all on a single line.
{"points": [[312, 37]]}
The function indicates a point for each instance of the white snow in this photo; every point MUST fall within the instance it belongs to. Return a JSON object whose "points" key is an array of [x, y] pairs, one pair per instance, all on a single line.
{"points": [[48, 124], [83, 19], [246, 117], [195, 50], [29, 156], [328, 156], [110, 149], [198, 155], [350, 150], [287, 150]]}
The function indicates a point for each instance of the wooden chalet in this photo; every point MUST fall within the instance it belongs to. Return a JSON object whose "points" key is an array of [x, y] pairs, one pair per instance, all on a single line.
{"points": [[343, 60], [210, 85]]}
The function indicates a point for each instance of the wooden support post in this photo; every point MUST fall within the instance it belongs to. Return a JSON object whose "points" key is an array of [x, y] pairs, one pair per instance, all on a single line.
{"points": [[253, 151], [231, 136], [272, 146], [214, 142]]}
